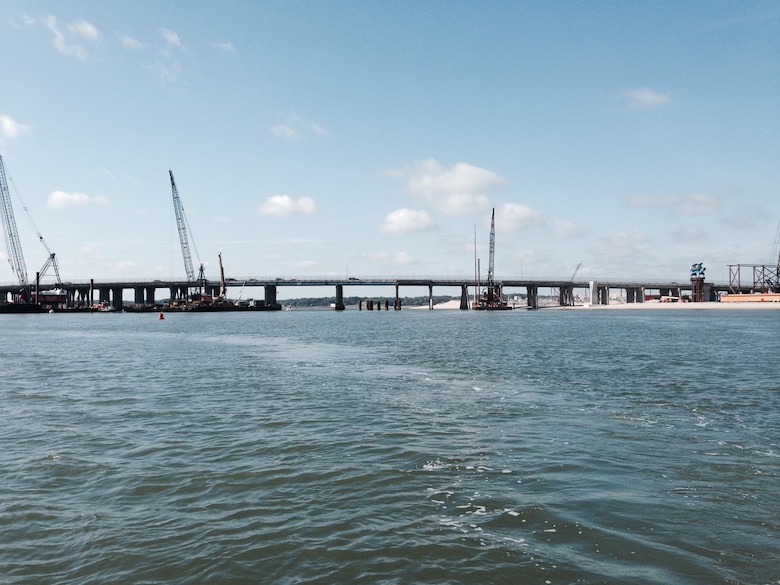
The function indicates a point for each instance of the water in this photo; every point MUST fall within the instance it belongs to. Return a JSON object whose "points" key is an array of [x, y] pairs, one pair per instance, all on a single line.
{"points": [[637, 447]]}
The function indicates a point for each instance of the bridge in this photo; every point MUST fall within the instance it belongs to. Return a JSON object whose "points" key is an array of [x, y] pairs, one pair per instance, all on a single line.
{"points": [[83, 294]]}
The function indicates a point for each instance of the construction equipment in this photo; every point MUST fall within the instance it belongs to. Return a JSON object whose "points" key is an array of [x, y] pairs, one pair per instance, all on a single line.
{"points": [[576, 270], [13, 244], [491, 298], [51, 259], [222, 287], [181, 223]]}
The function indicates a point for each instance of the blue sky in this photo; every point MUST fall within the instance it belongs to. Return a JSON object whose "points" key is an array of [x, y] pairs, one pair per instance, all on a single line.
{"points": [[372, 138]]}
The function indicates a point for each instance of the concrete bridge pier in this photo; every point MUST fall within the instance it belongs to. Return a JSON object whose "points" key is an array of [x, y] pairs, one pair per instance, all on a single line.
{"points": [[116, 301], [84, 297], [635, 294], [178, 293], [464, 297], [397, 302], [566, 296], [602, 294], [150, 295], [340, 297], [270, 297], [104, 294], [138, 298], [532, 297], [430, 297]]}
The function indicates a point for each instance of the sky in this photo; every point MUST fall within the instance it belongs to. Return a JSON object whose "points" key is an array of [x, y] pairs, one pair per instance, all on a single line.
{"points": [[366, 138]]}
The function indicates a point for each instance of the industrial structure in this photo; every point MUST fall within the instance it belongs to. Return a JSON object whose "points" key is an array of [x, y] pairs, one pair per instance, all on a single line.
{"points": [[197, 293], [491, 297], [183, 227], [761, 280], [26, 298]]}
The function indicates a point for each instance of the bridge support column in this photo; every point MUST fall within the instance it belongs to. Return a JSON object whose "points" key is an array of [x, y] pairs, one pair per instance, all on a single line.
{"points": [[104, 294], [139, 295], [116, 302], [150, 295], [602, 294], [270, 297], [80, 297], [464, 297], [635, 294], [566, 297], [532, 297], [430, 297], [397, 303], [340, 297]]}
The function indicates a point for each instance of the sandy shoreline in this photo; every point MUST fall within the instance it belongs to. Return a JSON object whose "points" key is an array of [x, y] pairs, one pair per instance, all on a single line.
{"points": [[649, 305]]}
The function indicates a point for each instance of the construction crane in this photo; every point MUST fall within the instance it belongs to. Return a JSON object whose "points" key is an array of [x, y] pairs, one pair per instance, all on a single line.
{"points": [[13, 244], [222, 287], [576, 270], [491, 298], [51, 259], [181, 223]]}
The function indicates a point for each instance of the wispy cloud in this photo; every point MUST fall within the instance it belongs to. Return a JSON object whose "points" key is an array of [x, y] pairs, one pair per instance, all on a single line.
{"points": [[226, 47], [295, 128], [63, 200], [129, 42], [286, 133], [171, 38], [168, 66], [645, 98], [564, 228], [403, 221], [10, 128], [457, 190], [402, 259], [684, 205], [24, 21], [71, 41], [515, 216], [284, 205]]}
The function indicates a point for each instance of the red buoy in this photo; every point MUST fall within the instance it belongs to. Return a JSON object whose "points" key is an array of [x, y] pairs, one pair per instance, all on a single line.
{"points": [[161, 317]]}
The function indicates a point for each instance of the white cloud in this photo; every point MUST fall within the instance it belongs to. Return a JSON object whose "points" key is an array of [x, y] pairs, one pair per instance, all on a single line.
{"points": [[646, 98], [283, 205], [83, 29], [511, 217], [563, 228], [171, 38], [226, 47], [168, 66], [402, 258], [10, 128], [129, 42], [699, 205], [26, 21], [63, 200], [458, 190], [403, 221], [286, 133], [69, 42], [296, 128], [684, 206]]}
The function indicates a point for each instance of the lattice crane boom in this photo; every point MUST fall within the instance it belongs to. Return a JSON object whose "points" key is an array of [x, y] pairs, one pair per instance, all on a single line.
{"points": [[181, 223], [492, 247], [14, 245]]}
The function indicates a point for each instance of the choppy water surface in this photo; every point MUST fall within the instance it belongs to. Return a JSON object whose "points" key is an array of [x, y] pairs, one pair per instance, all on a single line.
{"points": [[545, 447]]}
